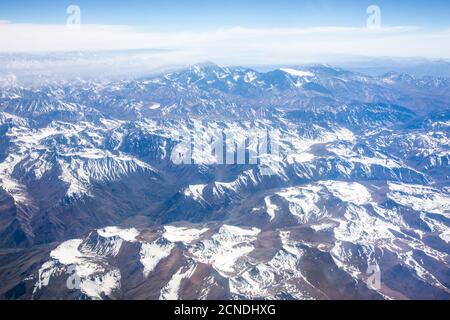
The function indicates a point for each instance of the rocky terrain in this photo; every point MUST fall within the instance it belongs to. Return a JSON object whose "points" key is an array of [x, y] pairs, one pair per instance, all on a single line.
{"points": [[299, 183]]}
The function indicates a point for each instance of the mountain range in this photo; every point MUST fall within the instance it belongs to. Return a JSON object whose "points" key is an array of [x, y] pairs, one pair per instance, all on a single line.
{"points": [[90, 195]]}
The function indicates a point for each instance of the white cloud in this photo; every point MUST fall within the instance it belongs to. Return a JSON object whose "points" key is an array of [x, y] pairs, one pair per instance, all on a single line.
{"points": [[232, 45]]}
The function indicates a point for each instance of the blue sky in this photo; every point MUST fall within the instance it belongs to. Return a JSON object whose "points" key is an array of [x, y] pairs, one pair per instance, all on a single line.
{"points": [[176, 15]]}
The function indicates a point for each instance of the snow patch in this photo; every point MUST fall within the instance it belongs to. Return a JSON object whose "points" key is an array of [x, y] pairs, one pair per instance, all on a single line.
{"points": [[270, 208], [96, 281], [152, 253], [349, 191], [303, 202], [182, 234], [445, 236], [195, 191], [297, 73], [172, 288], [129, 235], [420, 198], [226, 248]]}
